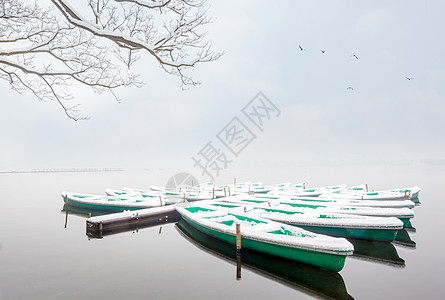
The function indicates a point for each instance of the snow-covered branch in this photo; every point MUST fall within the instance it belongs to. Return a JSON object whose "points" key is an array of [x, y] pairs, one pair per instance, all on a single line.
{"points": [[46, 49]]}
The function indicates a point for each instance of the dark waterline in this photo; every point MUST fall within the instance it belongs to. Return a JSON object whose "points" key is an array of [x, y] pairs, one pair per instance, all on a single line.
{"points": [[41, 259]]}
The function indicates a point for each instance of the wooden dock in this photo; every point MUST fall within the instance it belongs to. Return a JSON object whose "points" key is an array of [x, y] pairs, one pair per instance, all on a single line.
{"points": [[99, 226]]}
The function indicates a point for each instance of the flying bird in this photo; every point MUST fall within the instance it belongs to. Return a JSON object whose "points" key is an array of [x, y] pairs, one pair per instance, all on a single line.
{"points": [[353, 55], [409, 78], [323, 51], [301, 48]]}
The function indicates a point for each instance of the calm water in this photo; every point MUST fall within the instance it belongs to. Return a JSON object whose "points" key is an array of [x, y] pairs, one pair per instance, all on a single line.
{"points": [[41, 259]]}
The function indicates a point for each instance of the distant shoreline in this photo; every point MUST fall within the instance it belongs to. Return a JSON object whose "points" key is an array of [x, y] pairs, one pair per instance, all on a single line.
{"points": [[62, 170]]}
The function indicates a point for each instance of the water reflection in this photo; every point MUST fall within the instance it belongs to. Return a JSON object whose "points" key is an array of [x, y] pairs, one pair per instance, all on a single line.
{"points": [[376, 251], [403, 238], [306, 278]]}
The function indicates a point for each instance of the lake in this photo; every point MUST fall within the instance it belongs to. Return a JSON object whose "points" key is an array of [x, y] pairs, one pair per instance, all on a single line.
{"points": [[41, 259]]}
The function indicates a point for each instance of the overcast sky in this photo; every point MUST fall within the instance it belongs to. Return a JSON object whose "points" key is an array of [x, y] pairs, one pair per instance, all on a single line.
{"points": [[384, 117]]}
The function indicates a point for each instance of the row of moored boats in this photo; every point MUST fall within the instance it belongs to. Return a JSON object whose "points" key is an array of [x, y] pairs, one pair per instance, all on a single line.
{"points": [[287, 220]]}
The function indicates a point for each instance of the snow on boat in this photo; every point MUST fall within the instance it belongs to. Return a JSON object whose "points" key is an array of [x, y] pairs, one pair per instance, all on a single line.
{"points": [[403, 214], [120, 193], [347, 202], [270, 237], [150, 193], [109, 203], [329, 223], [381, 195], [408, 193], [313, 192]]}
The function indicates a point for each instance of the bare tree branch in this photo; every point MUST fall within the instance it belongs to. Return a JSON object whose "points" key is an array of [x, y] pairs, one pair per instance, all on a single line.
{"points": [[45, 52]]}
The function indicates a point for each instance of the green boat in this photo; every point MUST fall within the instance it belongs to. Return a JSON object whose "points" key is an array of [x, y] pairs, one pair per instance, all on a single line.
{"points": [[269, 237], [311, 280], [347, 202], [110, 204], [324, 222], [404, 214]]}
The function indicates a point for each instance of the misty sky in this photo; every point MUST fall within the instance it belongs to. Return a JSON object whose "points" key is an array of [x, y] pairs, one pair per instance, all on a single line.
{"points": [[385, 118]]}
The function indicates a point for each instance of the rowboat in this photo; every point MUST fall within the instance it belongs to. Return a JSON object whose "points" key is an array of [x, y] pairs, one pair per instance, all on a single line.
{"points": [[305, 278], [269, 237], [333, 201], [109, 203], [329, 223], [150, 193], [189, 194], [119, 193], [364, 196], [407, 193], [403, 214], [313, 192]]}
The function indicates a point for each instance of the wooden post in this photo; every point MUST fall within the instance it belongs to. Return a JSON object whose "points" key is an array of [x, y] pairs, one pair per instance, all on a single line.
{"points": [[245, 209], [66, 209], [184, 197], [238, 265], [409, 195], [213, 194], [406, 195], [160, 199], [225, 195], [366, 187], [229, 190], [268, 202], [304, 186], [234, 181], [238, 237]]}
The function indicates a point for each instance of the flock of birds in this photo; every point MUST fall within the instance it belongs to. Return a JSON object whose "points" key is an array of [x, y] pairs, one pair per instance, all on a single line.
{"points": [[349, 88]]}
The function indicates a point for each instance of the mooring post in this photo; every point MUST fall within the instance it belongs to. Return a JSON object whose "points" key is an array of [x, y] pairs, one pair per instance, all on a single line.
{"points": [[213, 194], [238, 237], [229, 190], [238, 251], [366, 187], [100, 227], [184, 197], [409, 195], [406, 195], [304, 185], [160, 199], [65, 197], [234, 181], [225, 195]]}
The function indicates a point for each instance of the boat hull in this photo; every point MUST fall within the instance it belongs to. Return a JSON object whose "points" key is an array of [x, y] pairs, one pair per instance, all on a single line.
{"points": [[386, 235], [323, 260]]}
